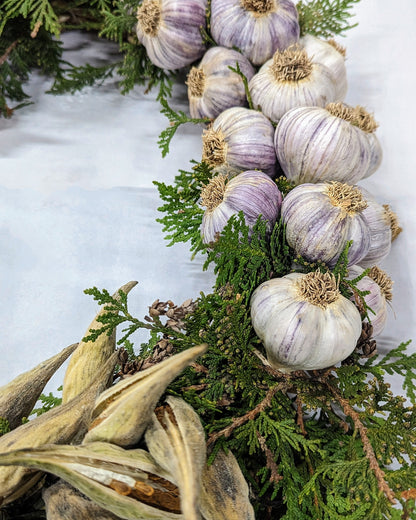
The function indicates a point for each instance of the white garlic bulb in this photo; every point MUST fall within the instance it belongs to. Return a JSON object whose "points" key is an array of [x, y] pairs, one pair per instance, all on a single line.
{"points": [[252, 192], [335, 143], [330, 54], [256, 27], [304, 322], [213, 86], [320, 219], [291, 79], [170, 30], [379, 285], [240, 139]]}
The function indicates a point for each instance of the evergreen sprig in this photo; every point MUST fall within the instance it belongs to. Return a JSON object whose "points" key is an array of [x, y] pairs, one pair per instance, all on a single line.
{"points": [[325, 18], [183, 215], [176, 119], [48, 401]]}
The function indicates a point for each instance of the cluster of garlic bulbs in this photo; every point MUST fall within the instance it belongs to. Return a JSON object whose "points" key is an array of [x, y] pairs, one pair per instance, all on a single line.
{"points": [[292, 121]]}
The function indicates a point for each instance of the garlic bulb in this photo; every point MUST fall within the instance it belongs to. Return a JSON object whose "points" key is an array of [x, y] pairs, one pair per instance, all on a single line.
{"points": [[213, 87], [170, 30], [240, 139], [320, 218], [332, 55], [291, 79], [257, 27], [316, 144], [252, 192], [379, 285], [304, 322]]}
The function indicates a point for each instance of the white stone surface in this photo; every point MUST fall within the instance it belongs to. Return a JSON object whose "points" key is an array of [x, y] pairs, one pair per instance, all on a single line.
{"points": [[78, 207]]}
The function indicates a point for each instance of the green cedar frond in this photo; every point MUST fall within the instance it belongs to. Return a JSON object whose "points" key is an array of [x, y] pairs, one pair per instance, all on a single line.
{"points": [[238, 71], [4, 426], [183, 214], [325, 18], [176, 119], [48, 402], [74, 78], [40, 13]]}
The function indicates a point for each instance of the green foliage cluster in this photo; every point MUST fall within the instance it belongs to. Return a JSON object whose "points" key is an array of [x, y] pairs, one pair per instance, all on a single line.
{"points": [[48, 401], [30, 32], [326, 444]]}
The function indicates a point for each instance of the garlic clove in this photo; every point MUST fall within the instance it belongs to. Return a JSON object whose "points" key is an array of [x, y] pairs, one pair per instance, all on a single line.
{"points": [[252, 192], [257, 27], [123, 411], [304, 322], [335, 143], [240, 139], [170, 30], [176, 440], [213, 86], [289, 80]]}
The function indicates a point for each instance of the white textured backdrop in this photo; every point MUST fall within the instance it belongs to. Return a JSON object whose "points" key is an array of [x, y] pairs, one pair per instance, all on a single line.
{"points": [[78, 207]]}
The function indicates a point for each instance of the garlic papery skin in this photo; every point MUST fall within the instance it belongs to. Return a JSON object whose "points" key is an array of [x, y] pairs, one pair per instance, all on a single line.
{"points": [[240, 139], [330, 54], [315, 144], [170, 30], [379, 223], [320, 219], [213, 86], [256, 27], [289, 80], [379, 285], [252, 192], [304, 322]]}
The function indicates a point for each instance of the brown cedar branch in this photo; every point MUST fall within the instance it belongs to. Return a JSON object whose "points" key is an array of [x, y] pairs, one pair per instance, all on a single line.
{"points": [[9, 49], [270, 463], [249, 416], [368, 449]]}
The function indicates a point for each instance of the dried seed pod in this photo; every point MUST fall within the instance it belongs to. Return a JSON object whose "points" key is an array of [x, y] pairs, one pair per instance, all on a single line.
{"points": [[62, 424], [123, 412], [90, 356], [127, 483], [176, 440], [63, 502], [224, 492], [18, 397]]}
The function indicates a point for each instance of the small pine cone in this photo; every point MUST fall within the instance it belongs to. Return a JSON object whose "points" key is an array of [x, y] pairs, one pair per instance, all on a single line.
{"points": [[365, 342]]}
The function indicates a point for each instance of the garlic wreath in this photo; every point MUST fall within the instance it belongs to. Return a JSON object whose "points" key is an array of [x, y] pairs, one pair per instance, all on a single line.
{"points": [[304, 322], [170, 30]]}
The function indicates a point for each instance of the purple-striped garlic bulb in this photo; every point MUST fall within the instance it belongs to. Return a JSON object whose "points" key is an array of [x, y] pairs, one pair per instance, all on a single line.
{"points": [[379, 285], [256, 27], [291, 79], [170, 30], [252, 192], [330, 54], [213, 86], [240, 139], [304, 321], [320, 219], [335, 143]]}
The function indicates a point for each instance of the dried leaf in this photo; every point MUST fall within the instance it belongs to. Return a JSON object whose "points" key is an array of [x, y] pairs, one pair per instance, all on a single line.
{"points": [[18, 397], [123, 412], [176, 440], [90, 355]]}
